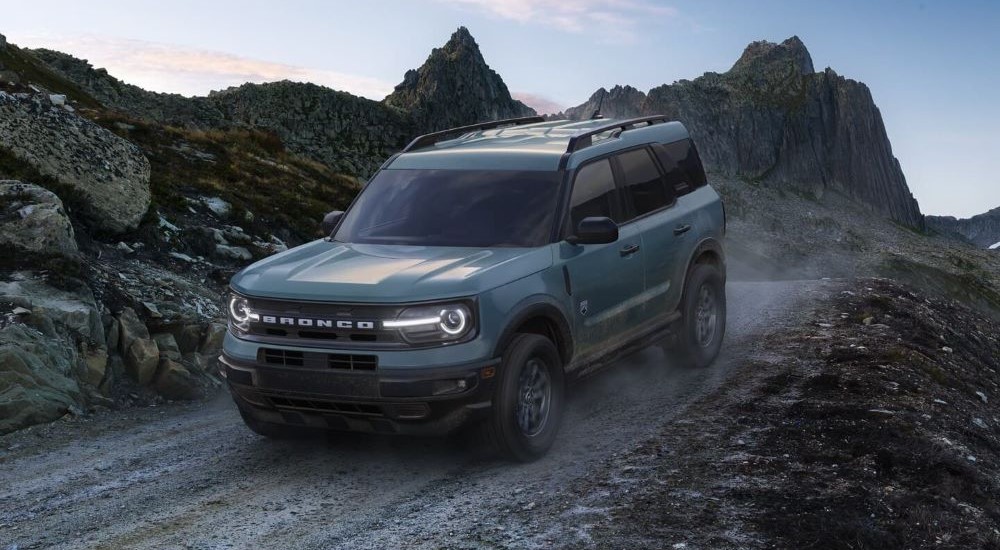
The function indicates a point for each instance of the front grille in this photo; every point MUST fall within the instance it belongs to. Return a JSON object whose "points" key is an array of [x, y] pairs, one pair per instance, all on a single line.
{"points": [[326, 322], [318, 360]]}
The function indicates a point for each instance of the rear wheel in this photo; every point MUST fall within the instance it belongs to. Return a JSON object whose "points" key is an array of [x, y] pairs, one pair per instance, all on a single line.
{"points": [[529, 399], [703, 317]]}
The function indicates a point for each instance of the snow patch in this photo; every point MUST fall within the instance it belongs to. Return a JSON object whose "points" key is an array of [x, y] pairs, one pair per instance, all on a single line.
{"points": [[994, 246]]}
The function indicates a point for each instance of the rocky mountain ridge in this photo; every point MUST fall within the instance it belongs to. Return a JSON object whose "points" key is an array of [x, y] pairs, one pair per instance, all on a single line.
{"points": [[351, 134], [771, 119], [983, 230]]}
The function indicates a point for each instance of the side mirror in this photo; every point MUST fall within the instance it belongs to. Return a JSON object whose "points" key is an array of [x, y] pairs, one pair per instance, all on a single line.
{"points": [[331, 220], [595, 230]]}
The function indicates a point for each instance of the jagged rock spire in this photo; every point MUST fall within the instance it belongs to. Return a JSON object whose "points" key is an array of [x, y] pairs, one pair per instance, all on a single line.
{"points": [[454, 87]]}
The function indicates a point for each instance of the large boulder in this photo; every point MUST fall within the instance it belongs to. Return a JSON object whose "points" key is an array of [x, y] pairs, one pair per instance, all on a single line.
{"points": [[36, 378], [173, 381], [141, 360], [130, 328], [107, 176], [75, 310], [33, 219]]}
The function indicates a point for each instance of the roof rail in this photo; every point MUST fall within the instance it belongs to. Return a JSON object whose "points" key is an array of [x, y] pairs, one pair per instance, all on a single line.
{"points": [[431, 139], [584, 140]]}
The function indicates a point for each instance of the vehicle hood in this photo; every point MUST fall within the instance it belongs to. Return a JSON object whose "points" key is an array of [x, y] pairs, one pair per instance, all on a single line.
{"points": [[331, 271]]}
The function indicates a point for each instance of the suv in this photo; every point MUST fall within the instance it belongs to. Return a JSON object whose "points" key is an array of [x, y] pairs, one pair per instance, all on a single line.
{"points": [[473, 276]]}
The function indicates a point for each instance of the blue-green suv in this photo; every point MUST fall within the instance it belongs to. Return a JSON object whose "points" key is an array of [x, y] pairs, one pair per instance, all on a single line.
{"points": [[480, 270]]}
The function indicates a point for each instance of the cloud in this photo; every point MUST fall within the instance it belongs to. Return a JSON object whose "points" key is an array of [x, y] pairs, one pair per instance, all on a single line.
{"points": [[541, 104], [191, 71], [609, 20]]}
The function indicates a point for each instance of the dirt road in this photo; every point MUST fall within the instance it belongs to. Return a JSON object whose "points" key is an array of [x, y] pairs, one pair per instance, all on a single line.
{"points": [[192, 476]]}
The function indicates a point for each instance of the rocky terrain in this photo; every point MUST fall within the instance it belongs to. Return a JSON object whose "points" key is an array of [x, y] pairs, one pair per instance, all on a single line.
{"points": [[860, 411], [772, 119], [872, 425], [982, 230]]}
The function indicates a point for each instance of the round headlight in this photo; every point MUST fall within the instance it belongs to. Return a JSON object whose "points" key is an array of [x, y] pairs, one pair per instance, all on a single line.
{"points": [[240, 313], [454, 321], [239, 309]]}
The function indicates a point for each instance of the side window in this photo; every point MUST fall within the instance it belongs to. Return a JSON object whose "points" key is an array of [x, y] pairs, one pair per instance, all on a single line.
{"points": [[675, 177], [643, 182], [594, 193], [687, 159]]}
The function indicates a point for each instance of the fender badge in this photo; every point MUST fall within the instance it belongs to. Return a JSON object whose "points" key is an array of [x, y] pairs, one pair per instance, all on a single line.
{"points": [[584, 307]]}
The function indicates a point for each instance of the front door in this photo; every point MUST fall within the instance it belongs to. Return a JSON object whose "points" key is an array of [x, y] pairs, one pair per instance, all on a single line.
{"points": [[606, 279]]}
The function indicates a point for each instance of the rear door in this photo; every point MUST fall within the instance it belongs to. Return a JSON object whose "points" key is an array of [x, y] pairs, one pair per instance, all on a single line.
{"points": [[653, 213], [606, 279]]}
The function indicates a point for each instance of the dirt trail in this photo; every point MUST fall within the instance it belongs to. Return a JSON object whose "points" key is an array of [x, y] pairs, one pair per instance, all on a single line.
{"points": [[192, 476]]}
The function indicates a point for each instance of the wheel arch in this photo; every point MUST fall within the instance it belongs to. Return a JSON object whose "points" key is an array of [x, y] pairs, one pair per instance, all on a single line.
{"points": [[709, 251], [541, 317]]}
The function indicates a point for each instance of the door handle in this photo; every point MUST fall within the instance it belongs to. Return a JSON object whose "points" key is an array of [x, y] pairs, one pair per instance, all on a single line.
{"points": [[628, 250], [682, 229]]}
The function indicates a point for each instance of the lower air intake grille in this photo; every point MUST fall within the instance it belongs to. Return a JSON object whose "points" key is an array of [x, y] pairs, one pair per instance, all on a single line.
{"points": [[283, 357], [318, 360], [352, 362]]}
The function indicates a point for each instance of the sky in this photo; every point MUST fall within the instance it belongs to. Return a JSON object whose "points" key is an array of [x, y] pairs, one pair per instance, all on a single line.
{"points": [[933, 67]]}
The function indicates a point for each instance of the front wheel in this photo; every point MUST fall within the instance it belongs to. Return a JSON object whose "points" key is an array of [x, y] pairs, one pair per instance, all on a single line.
{"points": [[529, 399], [703, 317]]}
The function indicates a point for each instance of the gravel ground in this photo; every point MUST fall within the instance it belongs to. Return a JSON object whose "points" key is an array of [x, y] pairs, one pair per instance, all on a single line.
{"points": [[192, 476]]}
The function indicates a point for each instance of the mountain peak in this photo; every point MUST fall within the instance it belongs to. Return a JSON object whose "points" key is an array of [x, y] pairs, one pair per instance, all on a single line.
{"points": [[763, 53], [454, 87]]}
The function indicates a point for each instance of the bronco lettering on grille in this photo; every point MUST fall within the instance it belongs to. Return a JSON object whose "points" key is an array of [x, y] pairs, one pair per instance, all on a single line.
{"points": [[318, 323]]}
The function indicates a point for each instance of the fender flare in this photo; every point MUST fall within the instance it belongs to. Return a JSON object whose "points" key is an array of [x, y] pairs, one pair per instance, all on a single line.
{"points": [[538, 306], [708, 244]]}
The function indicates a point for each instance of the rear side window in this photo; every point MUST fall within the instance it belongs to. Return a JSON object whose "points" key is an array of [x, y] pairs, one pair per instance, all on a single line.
{"points": [[594, 193], [682, 164], [643, 182]]}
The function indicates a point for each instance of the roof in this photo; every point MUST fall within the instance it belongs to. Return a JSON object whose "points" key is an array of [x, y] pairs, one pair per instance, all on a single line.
{"points": [[538, 146]]}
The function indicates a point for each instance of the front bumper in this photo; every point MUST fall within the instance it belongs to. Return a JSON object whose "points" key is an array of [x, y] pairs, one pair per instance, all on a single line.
{"points": [[432, 400]]}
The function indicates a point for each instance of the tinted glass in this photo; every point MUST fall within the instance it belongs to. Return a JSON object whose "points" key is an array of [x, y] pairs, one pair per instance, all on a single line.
{"points": [[673, 174], [454, 208], [593, 193], [643, 182], [686, 156]]}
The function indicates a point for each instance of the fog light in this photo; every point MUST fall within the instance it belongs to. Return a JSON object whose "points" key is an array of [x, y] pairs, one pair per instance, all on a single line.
{"points": [[444, 387]]}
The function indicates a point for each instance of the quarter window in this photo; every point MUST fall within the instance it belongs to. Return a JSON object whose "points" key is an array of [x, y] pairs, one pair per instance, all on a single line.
{"points": [[594, 193], [643, 182]]}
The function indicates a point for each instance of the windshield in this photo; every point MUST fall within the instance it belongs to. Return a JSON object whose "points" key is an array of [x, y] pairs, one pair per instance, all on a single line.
{"points": [[475, 208]]}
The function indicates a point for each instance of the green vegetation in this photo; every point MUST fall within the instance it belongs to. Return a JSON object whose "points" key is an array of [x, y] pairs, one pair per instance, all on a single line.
{"points": [[250, 169], [31, 70], [967, 288]]}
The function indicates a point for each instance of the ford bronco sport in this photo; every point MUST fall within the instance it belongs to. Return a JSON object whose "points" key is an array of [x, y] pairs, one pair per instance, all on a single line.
{"points": [[478, 271]]}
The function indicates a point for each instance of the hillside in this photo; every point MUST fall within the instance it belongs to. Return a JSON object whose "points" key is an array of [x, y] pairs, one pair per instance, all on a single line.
{"points": [[982, 230]]}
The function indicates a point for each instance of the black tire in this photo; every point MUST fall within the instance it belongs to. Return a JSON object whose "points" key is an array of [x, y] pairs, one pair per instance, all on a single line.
{"points": [[271, 430], [529, 436], [702, 327]]}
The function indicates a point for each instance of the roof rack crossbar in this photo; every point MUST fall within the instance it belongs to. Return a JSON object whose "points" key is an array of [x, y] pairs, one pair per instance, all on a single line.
{"points": [[432, 138], [584, 140]]}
